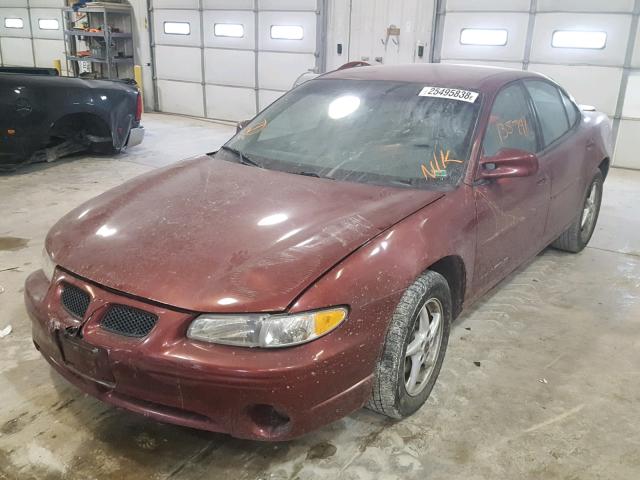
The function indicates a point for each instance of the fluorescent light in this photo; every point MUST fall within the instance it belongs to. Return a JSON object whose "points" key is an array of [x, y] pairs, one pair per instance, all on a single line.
{"points": [[287, 32], [48, 24], [492, 37], [13, 23], [578, 39], [228, 30], [177, 28]]}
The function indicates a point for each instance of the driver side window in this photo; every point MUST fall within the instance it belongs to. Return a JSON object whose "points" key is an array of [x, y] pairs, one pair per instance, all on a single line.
{"points": [[511, 123]]}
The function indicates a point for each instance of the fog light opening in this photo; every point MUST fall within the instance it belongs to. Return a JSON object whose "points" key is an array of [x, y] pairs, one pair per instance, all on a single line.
{"points": [[268, 419]]}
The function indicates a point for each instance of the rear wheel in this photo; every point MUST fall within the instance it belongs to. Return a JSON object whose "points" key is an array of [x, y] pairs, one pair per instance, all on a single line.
{"points": [[577, 236], [414, 348]]}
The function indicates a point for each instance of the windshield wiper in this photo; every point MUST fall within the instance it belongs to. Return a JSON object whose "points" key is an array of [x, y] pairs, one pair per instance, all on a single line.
{"points": [[313, 174], [244, 159]]}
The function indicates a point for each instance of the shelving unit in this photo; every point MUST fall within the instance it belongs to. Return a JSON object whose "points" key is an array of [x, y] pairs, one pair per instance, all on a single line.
{"points": [[99, 40]]}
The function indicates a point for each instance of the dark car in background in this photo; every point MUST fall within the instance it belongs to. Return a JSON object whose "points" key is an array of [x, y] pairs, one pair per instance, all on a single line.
{"points": [[44, 117], [315, 263]]}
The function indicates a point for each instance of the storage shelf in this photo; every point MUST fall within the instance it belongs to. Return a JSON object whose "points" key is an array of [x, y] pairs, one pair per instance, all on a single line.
{"points": [[82, 33], [99, 60]]}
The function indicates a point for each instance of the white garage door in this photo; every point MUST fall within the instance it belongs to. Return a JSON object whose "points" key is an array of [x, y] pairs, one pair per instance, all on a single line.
{"points": [[227, 59], [31, 32]]}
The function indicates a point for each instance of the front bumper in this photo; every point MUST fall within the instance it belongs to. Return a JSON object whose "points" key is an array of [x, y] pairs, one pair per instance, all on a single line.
{"points": [[136, 135], [248, 393]]}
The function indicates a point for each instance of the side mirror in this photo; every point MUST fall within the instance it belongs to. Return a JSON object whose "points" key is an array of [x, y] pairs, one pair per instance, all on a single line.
{"points": [[508, 162], [241, 125]]}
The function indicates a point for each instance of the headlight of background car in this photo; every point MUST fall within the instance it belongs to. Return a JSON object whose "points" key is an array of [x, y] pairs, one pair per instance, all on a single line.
{"points": [[266, 331], [48, 265]]}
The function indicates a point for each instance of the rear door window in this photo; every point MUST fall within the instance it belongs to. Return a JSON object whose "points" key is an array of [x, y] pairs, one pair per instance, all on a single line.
{"points": [[572, 110], [511, 124], [550, 109]]}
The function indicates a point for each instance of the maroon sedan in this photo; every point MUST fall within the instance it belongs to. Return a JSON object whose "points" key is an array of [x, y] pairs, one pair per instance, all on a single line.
{"points": [[315, 263]]}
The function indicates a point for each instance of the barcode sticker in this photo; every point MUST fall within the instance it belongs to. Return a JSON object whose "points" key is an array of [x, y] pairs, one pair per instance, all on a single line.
{"points": [[451, 93]]}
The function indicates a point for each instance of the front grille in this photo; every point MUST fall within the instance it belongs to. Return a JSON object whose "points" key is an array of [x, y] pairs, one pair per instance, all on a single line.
{"points": [[128, 321], [75, 300]]}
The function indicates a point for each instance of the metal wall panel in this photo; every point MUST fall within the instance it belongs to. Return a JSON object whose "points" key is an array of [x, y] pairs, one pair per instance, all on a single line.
{"points": [[616, 27], [585, 5], [180, 97], [514, 23], [597, 86], [489, 5]]}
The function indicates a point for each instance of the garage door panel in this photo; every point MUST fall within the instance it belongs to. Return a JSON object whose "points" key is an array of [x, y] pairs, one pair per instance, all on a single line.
{"points": [[310, 5], [230, 103], [306, 21], [230, 67], [489, 5], [180, 97], [278, 71], [17, 52], [515, 24], [15, 13], [246, 19], [47, 50], [631, 108], [616, 27], [165, 19], [46, 3], [626, 153], [182, 4], [43, 20], [15, 3], [179, 63], [635, 61], [229, 4], [597, 86], [267, 97], [585, 5]]}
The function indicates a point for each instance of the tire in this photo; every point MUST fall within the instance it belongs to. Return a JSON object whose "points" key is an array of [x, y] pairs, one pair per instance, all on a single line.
{"points": [[577, 236], [393, 393]]}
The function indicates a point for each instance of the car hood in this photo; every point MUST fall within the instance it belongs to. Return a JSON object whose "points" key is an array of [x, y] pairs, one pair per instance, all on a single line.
{"points": [[213, 236]]}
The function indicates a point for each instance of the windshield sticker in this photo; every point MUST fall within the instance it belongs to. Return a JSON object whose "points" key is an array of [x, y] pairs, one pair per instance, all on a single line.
{"points": [[438, 166], [451, 93], [255, 129], [511, 127]]}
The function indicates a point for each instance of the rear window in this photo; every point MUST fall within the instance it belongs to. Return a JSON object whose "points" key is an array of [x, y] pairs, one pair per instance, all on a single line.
{"points": [[550, 108]]}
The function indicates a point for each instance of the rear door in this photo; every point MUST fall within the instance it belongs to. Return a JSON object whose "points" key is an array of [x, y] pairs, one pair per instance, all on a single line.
{"points": [[563, 153], [511, 212]]}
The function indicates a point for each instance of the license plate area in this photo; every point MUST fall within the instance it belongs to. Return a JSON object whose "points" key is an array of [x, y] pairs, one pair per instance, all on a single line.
{"points": [[84, 359]]}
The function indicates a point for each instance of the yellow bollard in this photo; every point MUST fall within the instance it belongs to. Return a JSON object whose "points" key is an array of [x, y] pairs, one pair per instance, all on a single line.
{"points": [[137, 74], [57, 64]]}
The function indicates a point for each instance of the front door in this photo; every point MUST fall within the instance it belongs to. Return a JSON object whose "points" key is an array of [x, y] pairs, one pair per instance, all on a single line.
{"points": [[511, 212]]}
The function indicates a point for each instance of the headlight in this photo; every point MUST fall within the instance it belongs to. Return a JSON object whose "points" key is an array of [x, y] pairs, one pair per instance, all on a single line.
{"points": [[266, 331], [48, 265]]}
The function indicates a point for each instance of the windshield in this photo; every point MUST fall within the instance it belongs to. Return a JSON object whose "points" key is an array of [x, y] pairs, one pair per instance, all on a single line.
{"points": [[380, 132]]}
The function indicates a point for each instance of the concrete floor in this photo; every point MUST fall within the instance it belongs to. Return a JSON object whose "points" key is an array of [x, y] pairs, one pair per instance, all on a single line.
{"points": [[541, 380]]}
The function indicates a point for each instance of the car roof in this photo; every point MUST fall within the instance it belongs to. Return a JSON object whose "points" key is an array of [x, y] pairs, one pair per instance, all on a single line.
{"points": [[473, 77]]}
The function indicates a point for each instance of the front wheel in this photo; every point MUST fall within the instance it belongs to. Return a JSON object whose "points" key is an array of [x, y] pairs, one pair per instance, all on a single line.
{"points": [[414, 348], [577, 236]]}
